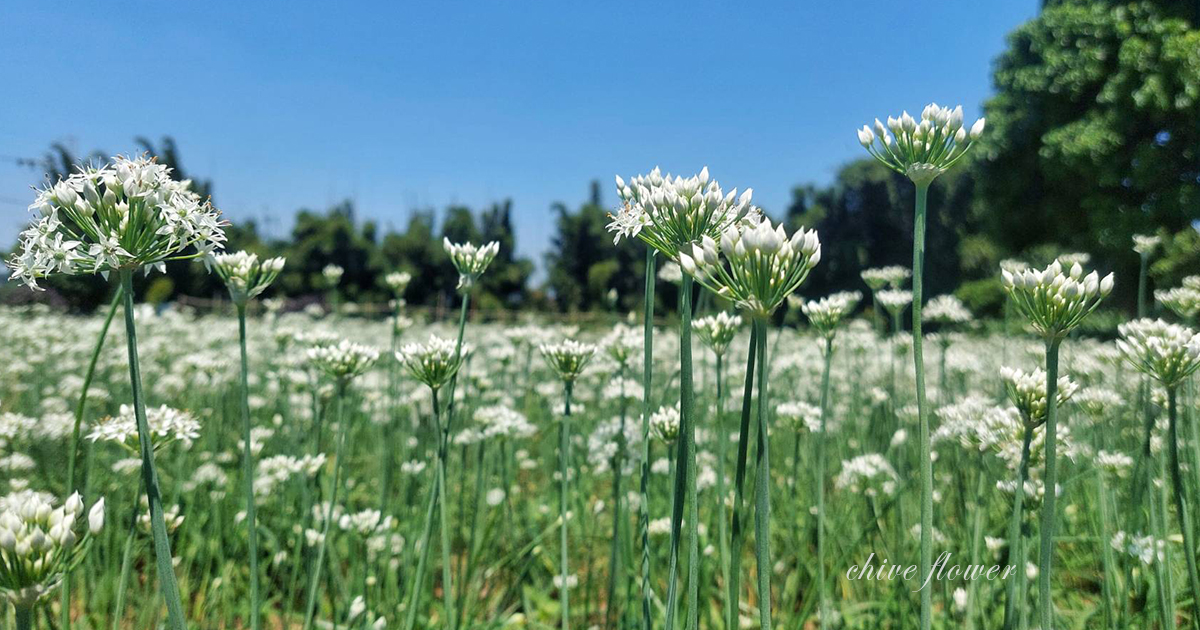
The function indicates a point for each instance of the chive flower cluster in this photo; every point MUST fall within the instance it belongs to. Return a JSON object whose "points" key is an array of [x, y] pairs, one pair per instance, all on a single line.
{"points": [[40, 543], [470, 261], [1027, 391], [344, 360], [892, 276], [921, 150], [1056, 301], [244, 274], [167, 426], [828, 312], [1167, 352], [717, 331], [567, 358], [434, 362]]}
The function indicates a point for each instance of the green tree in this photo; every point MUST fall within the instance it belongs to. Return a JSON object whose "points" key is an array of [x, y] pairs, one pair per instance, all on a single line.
{"points": [[583, 264]]}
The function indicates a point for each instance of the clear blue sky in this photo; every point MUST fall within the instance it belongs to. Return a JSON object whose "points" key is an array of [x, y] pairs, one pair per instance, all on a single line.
{"points": [[285, 105]]}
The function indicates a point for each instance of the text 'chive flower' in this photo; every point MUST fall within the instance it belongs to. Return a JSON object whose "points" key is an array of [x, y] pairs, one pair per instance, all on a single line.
{"points": [[828, 312], [1056, 301], [470, 261], [567, 358], [434, 362], [921, 150], [124, 215], [717, 331], [244, 274], [669, 213], [1167, 352], [764, 265], [40, 543]]}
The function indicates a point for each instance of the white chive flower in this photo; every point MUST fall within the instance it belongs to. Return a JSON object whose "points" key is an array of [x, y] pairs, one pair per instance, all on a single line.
{"points": [[41, 542], [828, 312], [332, 274], [1167, 352], [1056, 300], [764, 267], [921, 150], [1027, 392], [868, 474], [1144, 548], [167, 425], [1183, 301], [946, 310], [343, 361], [470, 260], [434, 362], [717, 331], [567, 358], [671, 213], [800, 416], [664, 423], [893, 276], [125, 215], [1145, 244], [622, 344], [397, 281], [894, 300], [244, 274]]}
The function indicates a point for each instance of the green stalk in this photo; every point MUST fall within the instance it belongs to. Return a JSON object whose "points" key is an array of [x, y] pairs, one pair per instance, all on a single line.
{"points": [[564, 461], [1016, 555], [1181, 504], [926, 462], [248, 473], [339, 457], [158, 527], [1142, 285], [126, 565], [1105, 549], [65, 605], [762, 486], [410, 617], [823, 586], [687, 427], [614, 558], [739, 479], [24, 617], [644, 483], [1049, 517], [722, 528], [977, 538], [444, 520]]}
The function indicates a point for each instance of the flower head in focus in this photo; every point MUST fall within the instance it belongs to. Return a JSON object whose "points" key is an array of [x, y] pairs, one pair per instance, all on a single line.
{"points": [[671, 213], [921, 150], [764, 267], [244, 274], [1056, 301], [717, 331], [1167, 352], [1027, 391], [434, 362], [41, 542], [827, 313], [344, 360], [471, 261], [167, 425], [125, 215], [567, 358]]}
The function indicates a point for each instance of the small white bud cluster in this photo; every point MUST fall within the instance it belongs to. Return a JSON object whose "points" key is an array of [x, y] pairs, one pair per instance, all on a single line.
{"points": [[244, 274], [892, 276], [1056, 301], [869, 474], [717, 331], [1145, 244], [434, 362], [921, 150], [39, 543], [765, 264], [665, 423], [567, 358], [800, 416], [471, 261], [1183, 300], [894, 300], [398, 281], [946, 310], [828, 312], [167, 425], [344, 360], [332, 274], [1167, 352], [1027, 391]]}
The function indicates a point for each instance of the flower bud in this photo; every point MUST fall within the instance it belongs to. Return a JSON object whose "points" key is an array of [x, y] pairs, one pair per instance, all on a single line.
{"points": [[96, 517], [977, 129]]}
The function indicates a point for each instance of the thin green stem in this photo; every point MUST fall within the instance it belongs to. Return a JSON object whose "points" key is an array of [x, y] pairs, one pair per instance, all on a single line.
{"points": [[158, 527], [564, 468], [126, 565], [1049, 516], [722, 435], [248, 474], [1016, 555], [822, 581], [410, 617], [762, 486], [444, 522], [1181, 503], [614, 558], [644, 482], [926, 462], [739, 478], [24, 617], [687, 429], [339, 461]]}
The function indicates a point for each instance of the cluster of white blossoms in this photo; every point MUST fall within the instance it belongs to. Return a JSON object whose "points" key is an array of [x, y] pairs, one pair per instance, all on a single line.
{"points": [[669, 213], [1145, 548], [244, 274], [622, 344], [470, 261], [717, 331], [800, 416], [39, 543], [1183, 300], [167, 425], [946, 310], [828, 312], [344, 360], [765, 264], [921, 150], [1145, 244], [332, 274], [434, 362], [567, 358], [124, 215], [974, 423], [1054, 300], [1027, 391], [893, 276], [869, 474], [664, 423], [277, 469], [1096, 401], [502, 421], [894, 300], [1115, 464], [397, 281], [1167, 352]]}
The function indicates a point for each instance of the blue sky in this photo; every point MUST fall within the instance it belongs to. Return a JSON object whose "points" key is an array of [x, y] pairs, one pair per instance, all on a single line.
{"points": [[286, 105]]}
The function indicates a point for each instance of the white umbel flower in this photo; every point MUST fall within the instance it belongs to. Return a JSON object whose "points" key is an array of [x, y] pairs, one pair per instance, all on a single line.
{"points": [[1183, 301], [717, 331], [1145, 244], [244, 274], [470, 260], [434, 362], [343, 361], [567, 358], [946, 310], [828, 312], [41, 542], [894, 300], [1027, 391], [1167, 352], [1054, 300], [167, 425], [332, 274], [921, 150], [893, 276], [664, 424], [397, 281], [800, 416]]}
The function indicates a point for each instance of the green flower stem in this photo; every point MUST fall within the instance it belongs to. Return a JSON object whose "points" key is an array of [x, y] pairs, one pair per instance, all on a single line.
{"points": [[443, 454], [1049, 516], [926, 462], [24, 617], [1181, 503], [1142, 285], [644, 482], [339, 461], [614, 559], [722, 435], [1106, 556], [977, 537], [158, 527], [248, 473], [410, 618], [564, 467], [685, 473], [1016, 554], [822, 582], [88, 375], [762, 486], [126, 565], [739, 480]]}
